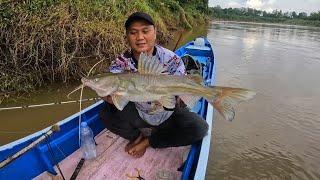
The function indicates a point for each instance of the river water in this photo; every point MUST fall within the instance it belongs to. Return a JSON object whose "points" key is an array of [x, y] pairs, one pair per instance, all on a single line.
{"points": [[277, 134], [18, 123], [274, 136]]}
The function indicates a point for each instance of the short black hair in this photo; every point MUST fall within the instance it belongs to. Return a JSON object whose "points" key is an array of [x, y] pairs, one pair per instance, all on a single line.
{"points": [[138, 16]]}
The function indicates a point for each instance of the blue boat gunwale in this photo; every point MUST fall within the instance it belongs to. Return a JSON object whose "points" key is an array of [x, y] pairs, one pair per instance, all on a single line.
{"points": [[41, 132], [200, 150]]}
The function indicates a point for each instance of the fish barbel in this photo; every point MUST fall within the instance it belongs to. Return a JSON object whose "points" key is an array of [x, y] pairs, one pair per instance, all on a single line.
{"points": [[152, 84]]}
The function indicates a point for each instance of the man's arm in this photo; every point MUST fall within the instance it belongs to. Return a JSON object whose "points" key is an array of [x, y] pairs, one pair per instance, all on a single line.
{"points": [[179, 67]]}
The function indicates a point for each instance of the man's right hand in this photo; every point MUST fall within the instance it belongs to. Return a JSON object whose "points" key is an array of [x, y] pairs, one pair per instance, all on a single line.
{"points": [[108, 99]]}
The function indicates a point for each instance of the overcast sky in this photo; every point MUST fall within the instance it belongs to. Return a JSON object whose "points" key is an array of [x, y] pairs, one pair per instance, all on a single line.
{"points": [[269, 5]]}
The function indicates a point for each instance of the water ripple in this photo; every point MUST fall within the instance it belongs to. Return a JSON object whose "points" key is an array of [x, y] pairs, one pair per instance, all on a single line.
{"points": [[275, 135]]}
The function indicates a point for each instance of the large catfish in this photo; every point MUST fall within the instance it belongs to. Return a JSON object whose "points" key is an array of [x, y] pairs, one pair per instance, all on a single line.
{"points": [[152, 84]]}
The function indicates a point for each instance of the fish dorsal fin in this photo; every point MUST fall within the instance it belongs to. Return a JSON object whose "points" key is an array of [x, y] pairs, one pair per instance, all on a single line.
{"points": [[149, 65], [190, 101], [119, 101]]}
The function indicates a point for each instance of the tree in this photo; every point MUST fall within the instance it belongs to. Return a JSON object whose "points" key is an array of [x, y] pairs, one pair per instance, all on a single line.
{"points": [[293, 14], [218, 12], [315, 16], [265, 14], [302, 15], [286, 14]]}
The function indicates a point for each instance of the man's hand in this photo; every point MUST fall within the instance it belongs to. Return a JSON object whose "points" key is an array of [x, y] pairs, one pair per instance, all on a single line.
{"points": [[180, 103], [156, 107], [108, 99]]}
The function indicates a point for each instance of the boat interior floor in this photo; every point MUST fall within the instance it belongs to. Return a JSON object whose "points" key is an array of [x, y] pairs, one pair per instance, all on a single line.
{"points": [[113, 162]]}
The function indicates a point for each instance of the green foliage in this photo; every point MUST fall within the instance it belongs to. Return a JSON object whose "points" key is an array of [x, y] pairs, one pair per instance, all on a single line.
{"points": [[33, 6], [249, 14], [43, 41], [315, 16]]}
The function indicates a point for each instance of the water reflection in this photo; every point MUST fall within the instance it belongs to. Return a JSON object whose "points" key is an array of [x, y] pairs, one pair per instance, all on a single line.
{"points": [[249, 43], [276, 135]]}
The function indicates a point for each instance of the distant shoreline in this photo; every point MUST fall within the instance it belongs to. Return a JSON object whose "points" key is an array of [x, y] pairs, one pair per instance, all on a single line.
{"points": [[265, 23]]}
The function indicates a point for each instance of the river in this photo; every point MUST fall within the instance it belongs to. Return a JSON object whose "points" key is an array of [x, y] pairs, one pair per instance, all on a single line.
{"points": [[277, 134], [274, 136]]}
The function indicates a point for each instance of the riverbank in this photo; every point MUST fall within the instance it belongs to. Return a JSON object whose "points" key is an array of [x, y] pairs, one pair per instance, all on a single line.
{"points": [[47, 41], [315, 24], [265, 24], [261, 16]]}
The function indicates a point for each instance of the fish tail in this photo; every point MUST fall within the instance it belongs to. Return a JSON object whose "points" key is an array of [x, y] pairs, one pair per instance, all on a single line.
{"points": [[224, 99]]}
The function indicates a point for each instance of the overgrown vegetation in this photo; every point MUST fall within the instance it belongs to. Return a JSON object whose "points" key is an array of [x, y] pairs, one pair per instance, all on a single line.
{"points": [[276, 16], [45, 41]]}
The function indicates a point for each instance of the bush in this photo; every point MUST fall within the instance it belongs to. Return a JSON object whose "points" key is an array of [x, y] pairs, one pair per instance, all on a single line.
{"points": [[45, 41]]}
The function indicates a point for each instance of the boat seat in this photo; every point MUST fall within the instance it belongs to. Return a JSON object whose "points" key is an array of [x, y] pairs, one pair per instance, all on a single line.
{"points": [[198, 50]]}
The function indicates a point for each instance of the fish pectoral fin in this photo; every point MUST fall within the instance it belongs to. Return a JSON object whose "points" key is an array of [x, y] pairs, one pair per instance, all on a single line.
{"points": [[149, 65], [190, 101], [119, 101], [168, 102]]}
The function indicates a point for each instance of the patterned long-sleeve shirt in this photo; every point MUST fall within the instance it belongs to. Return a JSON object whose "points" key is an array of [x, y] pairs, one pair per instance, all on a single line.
{"points": [[173, 64]]}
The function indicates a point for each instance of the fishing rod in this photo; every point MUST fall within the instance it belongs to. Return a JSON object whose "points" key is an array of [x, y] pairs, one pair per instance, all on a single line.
{"points": [[48, 104], [54, 128], [175, 47]]}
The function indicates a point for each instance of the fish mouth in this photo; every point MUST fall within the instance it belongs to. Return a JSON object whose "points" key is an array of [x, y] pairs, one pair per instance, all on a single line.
{"points": [[86, 82]]}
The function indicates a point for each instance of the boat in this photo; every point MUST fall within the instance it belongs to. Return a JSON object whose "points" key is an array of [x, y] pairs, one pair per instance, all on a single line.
{"points": [[58, 153]]}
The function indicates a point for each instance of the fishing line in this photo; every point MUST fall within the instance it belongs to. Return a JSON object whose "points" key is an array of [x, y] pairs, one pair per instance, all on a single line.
{"points": [[53, 156], [47, 104], [68, 96], [54, 128], [16, 132], [81, 92], [59, 149]]}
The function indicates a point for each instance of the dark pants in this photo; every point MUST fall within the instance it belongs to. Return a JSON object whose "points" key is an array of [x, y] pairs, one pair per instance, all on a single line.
{"points": [[182, 128]]}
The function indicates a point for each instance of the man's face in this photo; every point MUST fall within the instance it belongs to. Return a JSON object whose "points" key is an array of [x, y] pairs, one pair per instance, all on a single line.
{"points": [[141, 37]]}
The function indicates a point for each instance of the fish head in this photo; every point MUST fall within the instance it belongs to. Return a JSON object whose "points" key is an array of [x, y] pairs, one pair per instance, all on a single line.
{"points": [[103, 86]]}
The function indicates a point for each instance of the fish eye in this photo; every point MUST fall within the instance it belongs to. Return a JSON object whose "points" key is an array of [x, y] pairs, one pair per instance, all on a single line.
{"points": [[96, 80]]}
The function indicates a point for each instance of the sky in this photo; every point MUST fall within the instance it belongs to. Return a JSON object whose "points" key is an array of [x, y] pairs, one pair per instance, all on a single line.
{"points": [[307, 6]]}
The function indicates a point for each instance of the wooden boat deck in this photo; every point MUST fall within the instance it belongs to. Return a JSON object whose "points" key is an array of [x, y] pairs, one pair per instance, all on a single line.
{"points": [[114, 163]]}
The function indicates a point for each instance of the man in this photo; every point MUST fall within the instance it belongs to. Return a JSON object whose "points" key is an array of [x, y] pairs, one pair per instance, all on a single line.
{"points": [[170, 127]]}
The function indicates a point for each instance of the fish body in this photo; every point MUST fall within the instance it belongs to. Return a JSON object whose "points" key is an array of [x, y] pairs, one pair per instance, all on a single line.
{"points": [[152, 84], [144, 87]]}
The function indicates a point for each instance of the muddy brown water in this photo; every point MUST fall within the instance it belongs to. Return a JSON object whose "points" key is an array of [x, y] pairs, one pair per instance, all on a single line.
{"points": [[277, 134], [274, 136]]}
